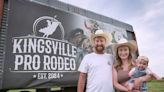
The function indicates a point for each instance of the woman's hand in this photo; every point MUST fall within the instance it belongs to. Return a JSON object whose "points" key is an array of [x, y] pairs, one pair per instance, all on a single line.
{"points": [[138, 81], [135, 91]]}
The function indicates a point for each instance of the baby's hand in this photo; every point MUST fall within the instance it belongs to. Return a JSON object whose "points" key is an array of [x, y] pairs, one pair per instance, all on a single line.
{"points": [[156, 77]]}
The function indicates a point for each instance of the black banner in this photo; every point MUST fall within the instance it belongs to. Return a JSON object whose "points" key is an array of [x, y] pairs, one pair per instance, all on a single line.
{"points": [[45, 45]]}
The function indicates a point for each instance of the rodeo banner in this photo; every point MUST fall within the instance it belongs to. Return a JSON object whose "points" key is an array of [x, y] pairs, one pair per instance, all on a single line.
{"points": [[45, 46]]}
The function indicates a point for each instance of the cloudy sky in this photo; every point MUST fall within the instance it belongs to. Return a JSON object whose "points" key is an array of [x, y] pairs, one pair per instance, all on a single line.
{"points": [[146, 17]]}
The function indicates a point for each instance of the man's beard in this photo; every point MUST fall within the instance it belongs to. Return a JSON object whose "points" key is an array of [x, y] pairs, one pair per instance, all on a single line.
{"points": [[99, 48]]}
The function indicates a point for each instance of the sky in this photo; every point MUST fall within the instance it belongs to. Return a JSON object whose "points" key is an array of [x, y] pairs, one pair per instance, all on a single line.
{"points": [[147, 19]]}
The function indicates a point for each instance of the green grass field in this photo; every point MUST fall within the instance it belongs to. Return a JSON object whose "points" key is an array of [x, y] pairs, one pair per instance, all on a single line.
{"points": [[156, 86], [153, 86]]}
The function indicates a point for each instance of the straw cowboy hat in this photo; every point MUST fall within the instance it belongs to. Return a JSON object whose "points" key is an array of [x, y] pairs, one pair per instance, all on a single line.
{"points": [[123, 42], [101, 33]]}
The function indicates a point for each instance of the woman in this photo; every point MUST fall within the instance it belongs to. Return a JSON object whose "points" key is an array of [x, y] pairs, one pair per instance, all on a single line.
{"points": [[124, 63]]}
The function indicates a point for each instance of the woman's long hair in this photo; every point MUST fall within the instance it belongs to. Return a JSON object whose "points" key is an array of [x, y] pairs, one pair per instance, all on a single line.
{"points": [[119, 63]]}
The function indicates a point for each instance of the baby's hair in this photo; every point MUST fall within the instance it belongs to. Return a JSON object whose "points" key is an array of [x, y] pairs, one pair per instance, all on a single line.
{"points": [[143, 58]]}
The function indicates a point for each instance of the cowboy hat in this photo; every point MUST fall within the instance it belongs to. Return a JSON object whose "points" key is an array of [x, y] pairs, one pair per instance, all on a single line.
{"points": [[123, 42], [101, 33]]}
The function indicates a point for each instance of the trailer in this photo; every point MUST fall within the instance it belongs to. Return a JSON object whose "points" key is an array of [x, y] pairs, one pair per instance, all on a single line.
{"points": [[42, 43]]}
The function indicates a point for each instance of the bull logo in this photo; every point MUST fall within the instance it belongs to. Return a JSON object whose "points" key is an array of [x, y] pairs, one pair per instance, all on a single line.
{"points": [[47, 26]]}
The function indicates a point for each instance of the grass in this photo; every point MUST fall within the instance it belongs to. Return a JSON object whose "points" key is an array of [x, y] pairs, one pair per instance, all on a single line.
{"points": [[153, 86], [33, 90], [156, 86], [30, 90]]}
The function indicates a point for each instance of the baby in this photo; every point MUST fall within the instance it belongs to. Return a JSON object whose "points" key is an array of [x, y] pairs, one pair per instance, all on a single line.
{"points": [[141, 69]]}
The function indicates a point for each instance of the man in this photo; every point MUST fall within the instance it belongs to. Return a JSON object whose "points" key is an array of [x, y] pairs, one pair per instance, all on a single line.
{"points": [[96, 68], [76, 36], [81, 41]]}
